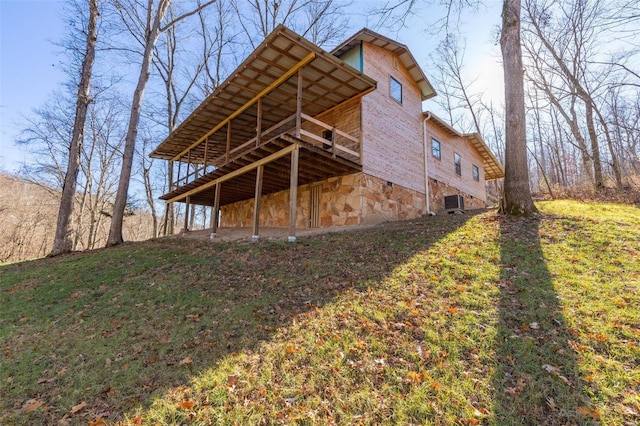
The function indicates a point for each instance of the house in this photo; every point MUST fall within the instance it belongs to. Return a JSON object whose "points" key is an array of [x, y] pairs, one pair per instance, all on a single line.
{"points": [[299, 137]]}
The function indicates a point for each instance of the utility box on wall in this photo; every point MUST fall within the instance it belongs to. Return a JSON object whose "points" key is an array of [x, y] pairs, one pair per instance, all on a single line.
{"points": [[453, 203]]}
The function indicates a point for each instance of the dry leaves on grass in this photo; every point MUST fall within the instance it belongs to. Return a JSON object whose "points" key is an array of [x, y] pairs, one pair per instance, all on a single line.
{"points": [[186, 405], [31, 405], [78, 407]]}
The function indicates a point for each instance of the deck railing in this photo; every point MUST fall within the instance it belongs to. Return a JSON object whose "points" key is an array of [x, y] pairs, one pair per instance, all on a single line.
{"points": [[339, 144]]}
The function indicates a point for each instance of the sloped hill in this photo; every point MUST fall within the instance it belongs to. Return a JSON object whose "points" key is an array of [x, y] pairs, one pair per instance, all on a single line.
{"points": [[465, 319]]}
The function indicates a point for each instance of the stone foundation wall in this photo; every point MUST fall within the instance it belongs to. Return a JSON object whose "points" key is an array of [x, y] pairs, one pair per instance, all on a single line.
{"points": [[386, 201], [438, 190], [346, 200]]}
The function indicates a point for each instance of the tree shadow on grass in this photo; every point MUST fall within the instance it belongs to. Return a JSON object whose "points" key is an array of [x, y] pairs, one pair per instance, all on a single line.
{"points": [[113, 329], [537, 379]]}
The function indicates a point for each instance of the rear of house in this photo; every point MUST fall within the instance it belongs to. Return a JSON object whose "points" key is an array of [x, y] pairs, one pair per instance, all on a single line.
{"points": [[301, 138]]}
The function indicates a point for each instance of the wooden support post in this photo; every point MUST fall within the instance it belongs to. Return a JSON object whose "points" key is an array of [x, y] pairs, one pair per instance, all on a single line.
{"points": [[165, 220], [179, 170], [206, 149], [333, 142], [293, 193], [299, 104], [256, 204], [185, 228], [228, 141], [259, 123], [171, 183], [216, 208]]}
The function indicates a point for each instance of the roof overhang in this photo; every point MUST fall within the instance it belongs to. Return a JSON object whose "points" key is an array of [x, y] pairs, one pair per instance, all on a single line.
{"points": [[492, 167], [366, 35], [327, 82]]}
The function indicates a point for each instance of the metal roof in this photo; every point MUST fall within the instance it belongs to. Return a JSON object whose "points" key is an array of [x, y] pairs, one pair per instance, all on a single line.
{"points": [[492, 167], [327, 82], [407, 59]]}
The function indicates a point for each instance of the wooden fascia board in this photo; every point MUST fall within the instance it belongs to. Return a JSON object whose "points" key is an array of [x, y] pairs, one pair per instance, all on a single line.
{"points": [[235, 173]]}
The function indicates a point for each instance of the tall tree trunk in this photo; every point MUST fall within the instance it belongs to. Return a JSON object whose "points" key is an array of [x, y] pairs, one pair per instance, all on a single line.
{"points": [[115, 231], [62, 242], [595, 148], [517, 194], [615, 163]]}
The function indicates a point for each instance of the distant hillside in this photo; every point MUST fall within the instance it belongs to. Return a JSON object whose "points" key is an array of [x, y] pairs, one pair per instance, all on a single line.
{"points": [[470, 319], [28, 213]]}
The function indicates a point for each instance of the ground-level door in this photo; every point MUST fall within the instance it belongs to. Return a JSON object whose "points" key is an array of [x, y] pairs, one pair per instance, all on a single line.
{"points": [[314, 205]]}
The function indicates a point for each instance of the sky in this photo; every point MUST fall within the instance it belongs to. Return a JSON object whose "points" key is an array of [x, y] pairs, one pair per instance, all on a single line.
{"points": [[30, 61]]}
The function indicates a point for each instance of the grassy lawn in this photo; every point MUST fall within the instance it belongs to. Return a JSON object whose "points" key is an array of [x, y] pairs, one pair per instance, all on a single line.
{"points": [[464, 319]]}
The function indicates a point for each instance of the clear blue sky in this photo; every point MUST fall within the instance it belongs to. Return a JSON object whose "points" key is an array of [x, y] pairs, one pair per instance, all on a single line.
{"points": [[30, 70]]}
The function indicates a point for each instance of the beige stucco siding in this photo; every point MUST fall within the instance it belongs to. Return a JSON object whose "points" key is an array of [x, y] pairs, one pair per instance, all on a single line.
{"points": [[392, 132], [444, 169]]}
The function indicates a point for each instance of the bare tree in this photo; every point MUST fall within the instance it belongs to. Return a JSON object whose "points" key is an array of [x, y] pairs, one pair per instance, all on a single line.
{"points": [[62, 242], [449, 64], [321, 21], [144, 24]]}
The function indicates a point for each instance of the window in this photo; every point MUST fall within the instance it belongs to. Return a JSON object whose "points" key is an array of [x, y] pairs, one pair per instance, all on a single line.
{"points": [[435, 149], [395, 89], [476, 173], [458, 163]]}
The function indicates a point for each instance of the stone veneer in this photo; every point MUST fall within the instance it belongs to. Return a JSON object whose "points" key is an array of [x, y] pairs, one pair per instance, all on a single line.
{"points": [[346, 200], [438, 190], [355, 199]]}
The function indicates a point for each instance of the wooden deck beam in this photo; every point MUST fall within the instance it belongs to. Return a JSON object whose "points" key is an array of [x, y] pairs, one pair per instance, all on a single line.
{"points": [[235, 173]]}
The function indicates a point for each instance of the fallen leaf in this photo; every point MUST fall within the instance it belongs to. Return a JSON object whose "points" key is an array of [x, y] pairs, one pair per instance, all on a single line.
{"points": [[231, 381], [534, 325], [551, 403], [78, 407], [43, 380], [472, 421], [194, 317], [414, 377], [589, 412], [187, 404], [291, 349], [31, 405], [136, 421], [98, 422], [186, 361]]}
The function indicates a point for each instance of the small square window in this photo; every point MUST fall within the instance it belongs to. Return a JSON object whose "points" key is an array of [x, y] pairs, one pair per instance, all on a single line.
{"points": [[435, 149], [476, 173], [395, 89], [458, 163]]}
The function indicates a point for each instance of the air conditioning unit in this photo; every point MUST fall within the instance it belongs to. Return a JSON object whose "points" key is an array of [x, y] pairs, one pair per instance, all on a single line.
{"points": [[453, 203]]}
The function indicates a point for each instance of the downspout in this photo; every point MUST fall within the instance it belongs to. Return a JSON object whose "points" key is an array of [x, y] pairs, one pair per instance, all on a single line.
{"points": [[426, 163]]}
